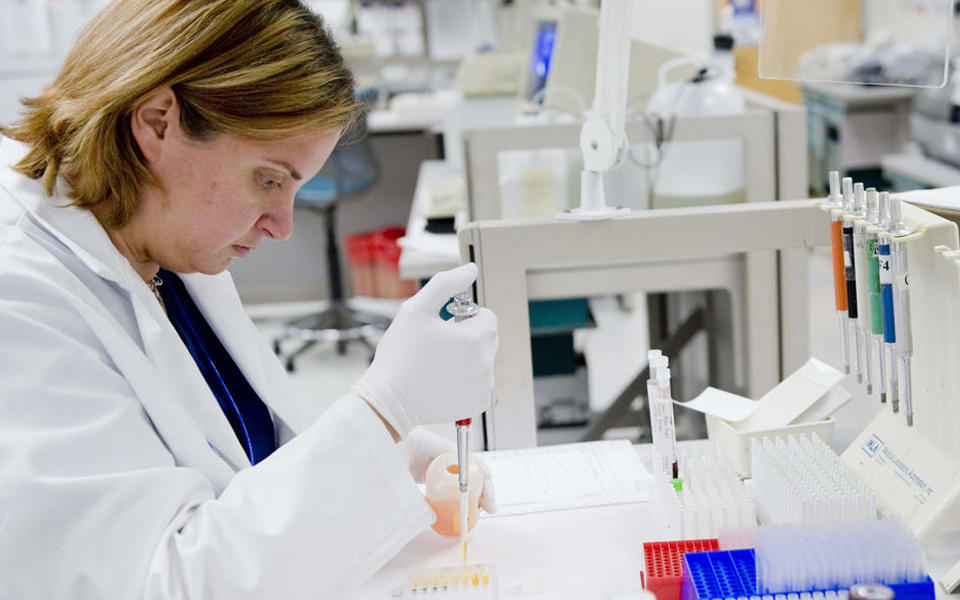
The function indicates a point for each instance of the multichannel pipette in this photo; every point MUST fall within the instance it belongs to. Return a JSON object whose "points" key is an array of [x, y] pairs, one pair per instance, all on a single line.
{"points": [[901, 286], [886, 300], [849, 272], [863, 292], [660, 401], [836, 244], [462, 308], [873, 282]]}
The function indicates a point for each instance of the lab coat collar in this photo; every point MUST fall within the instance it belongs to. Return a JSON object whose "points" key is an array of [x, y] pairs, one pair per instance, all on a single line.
{"points": [[76, 228], [216, 297]]}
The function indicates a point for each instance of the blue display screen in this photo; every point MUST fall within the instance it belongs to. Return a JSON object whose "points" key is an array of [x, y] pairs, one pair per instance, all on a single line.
{"points": [[542, 52]]}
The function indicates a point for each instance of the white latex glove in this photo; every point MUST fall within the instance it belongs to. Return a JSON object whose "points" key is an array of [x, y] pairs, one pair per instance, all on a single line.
{"points": [[422, 446], [427, 370]]}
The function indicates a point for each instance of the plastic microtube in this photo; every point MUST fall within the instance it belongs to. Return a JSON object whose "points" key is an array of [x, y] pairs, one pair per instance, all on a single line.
{"points": [[863, 292], [849, 271], [662, 427], [836, 245]]}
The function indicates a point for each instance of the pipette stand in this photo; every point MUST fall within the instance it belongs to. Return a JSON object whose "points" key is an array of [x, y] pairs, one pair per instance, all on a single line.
{"points": [[915, 470]]}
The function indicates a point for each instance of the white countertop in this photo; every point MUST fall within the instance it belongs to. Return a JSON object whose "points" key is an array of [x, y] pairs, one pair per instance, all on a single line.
{"points": [[579, 554]]}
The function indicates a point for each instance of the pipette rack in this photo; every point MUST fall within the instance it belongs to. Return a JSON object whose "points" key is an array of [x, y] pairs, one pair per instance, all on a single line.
{"points": [[712, 496], [732, 575], [915, 470], [663, 565], [799, 479]]}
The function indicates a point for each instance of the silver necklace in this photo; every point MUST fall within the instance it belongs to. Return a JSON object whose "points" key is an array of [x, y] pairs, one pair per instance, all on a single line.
{"points": [[154, 286]]}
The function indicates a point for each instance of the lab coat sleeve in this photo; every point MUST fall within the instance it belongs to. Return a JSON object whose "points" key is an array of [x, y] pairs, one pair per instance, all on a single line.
{"points": [[317, 517], [92, 504]]}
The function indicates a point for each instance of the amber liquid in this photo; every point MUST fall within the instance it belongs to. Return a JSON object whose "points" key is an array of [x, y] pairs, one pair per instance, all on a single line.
{"points": [[448, 516]]}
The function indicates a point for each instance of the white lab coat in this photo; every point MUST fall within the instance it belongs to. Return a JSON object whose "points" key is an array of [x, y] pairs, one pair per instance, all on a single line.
{"points": [[120, 477]]}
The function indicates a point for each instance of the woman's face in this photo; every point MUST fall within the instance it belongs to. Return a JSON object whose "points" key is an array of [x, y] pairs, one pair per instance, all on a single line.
{"points": [[218, 199]]}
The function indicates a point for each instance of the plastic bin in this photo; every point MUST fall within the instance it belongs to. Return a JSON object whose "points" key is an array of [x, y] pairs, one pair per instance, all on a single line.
{"points": [[386, 267], [360, 258]]}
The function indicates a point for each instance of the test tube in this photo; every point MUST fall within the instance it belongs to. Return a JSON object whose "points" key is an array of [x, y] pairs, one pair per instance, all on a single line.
{"points": [[836, 245], [886, 300], [850, 274], [874, 210], [863, 291]]}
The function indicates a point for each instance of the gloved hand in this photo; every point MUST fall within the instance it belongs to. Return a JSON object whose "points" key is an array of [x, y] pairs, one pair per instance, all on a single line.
{"points": [[427, 370], [422, 446]]}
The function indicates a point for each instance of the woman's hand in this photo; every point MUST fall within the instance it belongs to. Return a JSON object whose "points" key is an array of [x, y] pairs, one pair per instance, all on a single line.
{"points": [[422, 446], [427, 370]]}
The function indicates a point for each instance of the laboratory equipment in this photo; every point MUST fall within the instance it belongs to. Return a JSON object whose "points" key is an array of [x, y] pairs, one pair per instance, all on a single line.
{"points": [[663, 565], [708, 92], [709, 498], [473, 582], [835, 206], [915, 469], [885, 268], [856, 43], [663, 430], [800, 480], [603, 139], [443, 494], [732, 575], [871, 592], [849, 274], [876, 206], [901, 304], [863, 291], [463, 308], [837, 554]]}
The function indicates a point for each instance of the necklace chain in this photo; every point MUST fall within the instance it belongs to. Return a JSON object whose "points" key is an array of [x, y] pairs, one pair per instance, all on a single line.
{"points": [[154, 286]]}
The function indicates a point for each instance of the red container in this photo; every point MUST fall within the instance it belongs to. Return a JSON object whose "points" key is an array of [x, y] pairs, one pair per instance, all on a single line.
{"points": [[386, 269], [663, 564], [361, 257]]}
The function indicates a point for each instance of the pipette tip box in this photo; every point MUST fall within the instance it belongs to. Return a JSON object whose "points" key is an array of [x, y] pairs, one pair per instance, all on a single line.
{"points": [[733, 574], [663, 565]]}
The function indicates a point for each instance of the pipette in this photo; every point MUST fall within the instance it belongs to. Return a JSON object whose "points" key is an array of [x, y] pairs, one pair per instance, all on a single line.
{"points": [[462, 308], [849, 272], [863, 291], [836, 245], [886, 300], [874, 211], [902, 305]]}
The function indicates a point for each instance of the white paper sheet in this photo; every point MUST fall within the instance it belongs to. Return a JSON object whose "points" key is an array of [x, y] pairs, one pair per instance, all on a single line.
{"points": [[727, 406], [567, 476]]}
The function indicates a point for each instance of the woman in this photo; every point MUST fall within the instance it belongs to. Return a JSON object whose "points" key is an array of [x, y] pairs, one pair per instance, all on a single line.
{"points": [[148, 442]]}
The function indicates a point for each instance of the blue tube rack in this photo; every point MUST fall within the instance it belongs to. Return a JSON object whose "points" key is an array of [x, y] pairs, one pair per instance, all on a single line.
{"points": [[733, 575]]}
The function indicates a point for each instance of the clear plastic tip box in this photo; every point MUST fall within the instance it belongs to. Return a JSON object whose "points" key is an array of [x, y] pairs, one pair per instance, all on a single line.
{"points": [[733, 575]]}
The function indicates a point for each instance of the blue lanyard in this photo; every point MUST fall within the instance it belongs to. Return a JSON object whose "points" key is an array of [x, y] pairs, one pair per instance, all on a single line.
{"points": [[249, 417]]}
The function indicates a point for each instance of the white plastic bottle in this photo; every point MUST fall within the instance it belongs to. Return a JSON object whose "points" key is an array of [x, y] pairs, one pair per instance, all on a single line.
{"points": [[697, 173]]}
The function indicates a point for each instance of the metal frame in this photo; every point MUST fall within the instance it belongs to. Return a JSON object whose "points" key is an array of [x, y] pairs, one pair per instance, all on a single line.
{"points": [[542, 259]]}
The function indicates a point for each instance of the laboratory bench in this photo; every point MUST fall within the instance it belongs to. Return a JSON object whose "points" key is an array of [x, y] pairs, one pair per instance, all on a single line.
{"points": [[578, 554]]}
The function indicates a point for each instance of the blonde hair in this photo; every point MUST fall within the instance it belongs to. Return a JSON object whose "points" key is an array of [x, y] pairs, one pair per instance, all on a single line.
{"points": [[261, 69]]}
